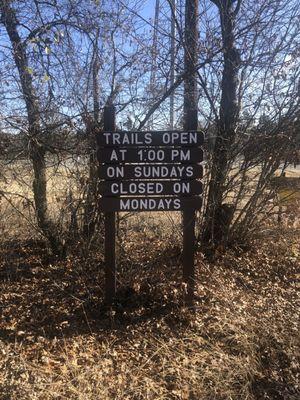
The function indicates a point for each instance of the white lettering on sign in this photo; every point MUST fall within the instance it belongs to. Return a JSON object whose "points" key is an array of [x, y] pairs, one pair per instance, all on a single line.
{"points": [[180, 155], [151, 155], [114, 156], [137, 188], [175, 155], [115, 172], [149, 204], [149, 138], [180, 138], [157, 171], [115, 138], [181, 187]]}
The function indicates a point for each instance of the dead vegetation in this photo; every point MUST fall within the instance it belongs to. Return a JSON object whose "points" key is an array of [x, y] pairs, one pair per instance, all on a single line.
{"points": [[58, 342]]}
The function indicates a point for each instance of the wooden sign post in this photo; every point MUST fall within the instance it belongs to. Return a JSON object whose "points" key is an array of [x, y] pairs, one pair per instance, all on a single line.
{"points": [[149, 171], [110, 226], [188, 220]]}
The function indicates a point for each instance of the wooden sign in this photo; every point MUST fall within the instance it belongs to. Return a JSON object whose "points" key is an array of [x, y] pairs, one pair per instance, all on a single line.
{"points": [[150, 155], [141, 188], [149, 171], [150, 138], [155, 171], [150, 203], [160, 171]]}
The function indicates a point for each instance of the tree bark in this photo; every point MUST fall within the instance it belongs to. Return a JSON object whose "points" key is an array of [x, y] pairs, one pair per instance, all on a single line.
{"points": [[190, 63], [37, 150], [190, 109], [90, 210], [218, 215]]}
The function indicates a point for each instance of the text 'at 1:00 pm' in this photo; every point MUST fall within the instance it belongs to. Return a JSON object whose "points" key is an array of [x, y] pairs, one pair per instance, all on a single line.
{"points": [[146, 155]]}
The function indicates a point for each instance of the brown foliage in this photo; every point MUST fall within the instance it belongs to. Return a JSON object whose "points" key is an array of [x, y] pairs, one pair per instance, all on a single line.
{"points": [[57, 342]]}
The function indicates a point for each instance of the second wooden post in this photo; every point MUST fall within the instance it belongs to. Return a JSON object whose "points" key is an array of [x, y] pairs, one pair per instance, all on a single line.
{"points": [[110, 226]]}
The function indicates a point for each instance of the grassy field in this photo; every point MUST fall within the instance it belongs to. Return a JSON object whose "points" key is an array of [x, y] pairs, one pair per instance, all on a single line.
{"points": [[66, 178]]}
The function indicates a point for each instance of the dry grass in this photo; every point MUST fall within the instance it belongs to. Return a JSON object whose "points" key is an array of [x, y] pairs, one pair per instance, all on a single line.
{"points": [[16, 196], [242, 343], [63, 177], [58, 342]]}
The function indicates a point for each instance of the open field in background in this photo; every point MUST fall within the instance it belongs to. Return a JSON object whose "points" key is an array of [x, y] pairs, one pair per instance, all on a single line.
{"points": [[66, 181], [65, 185], [16, 181]]}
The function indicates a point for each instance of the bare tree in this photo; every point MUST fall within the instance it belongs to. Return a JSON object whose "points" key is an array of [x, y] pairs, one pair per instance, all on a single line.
{"points": [[36, 148], [216, 221], [69, 59]]}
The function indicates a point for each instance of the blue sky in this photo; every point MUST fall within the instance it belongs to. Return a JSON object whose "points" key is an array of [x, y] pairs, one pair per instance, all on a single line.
{"points": [[149, 8]]}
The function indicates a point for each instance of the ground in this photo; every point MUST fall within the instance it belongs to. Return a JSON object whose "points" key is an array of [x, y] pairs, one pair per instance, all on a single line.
{"points": [[242, 342]]}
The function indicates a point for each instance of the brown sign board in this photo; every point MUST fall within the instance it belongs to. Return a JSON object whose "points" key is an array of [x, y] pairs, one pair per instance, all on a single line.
{"points": [[148, 155], [154, 188], [150, 138], [150, 171], [110, 204], [161, 176]]}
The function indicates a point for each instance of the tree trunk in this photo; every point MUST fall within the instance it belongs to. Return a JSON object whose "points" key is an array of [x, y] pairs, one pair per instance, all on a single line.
{"points": [[172, 61], [190, 109], [90, 211], [218, 215], [37, 150], [190, 62]]}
